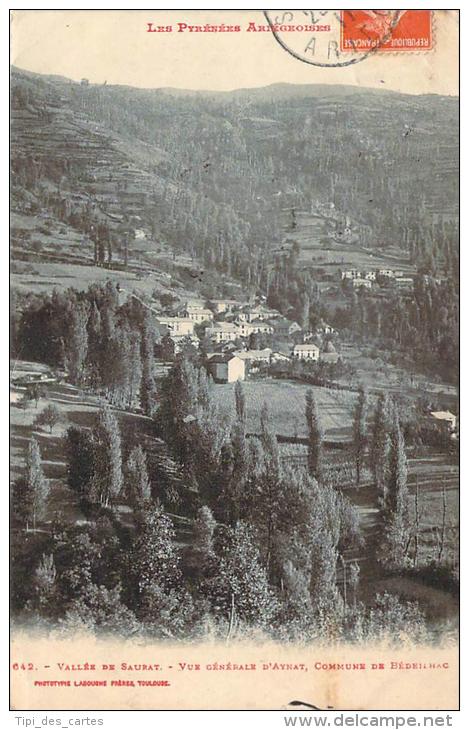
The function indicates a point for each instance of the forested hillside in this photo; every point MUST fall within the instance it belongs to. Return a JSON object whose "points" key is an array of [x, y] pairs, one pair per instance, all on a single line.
{"points": [[211, 173]]}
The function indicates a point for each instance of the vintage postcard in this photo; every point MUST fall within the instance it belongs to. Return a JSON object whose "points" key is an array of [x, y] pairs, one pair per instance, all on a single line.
{"points": [[234, 359]]}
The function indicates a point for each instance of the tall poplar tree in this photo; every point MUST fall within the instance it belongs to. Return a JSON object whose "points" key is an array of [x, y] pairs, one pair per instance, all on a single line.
{"points": [[379, 445], [315, 437], [360, 433], [148, 384], [397, 491], [94, 354], [135, 371], [77, 344], [107, 481], [270, 498], [80, 458], [240, 400], [138, 482], [393, 550], [322, 583], [36, 487]]}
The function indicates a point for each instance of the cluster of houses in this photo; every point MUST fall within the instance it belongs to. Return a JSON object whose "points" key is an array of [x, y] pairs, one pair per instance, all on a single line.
{"points": [[226, 326], [359, 279], [229, 366]]}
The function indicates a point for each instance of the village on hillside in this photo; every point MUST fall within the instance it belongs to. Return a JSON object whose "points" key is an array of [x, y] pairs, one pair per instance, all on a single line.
{"points": [[234, 408]]}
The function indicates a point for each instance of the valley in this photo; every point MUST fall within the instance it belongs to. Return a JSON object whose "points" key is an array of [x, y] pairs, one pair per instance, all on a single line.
{"points": [[234, 359]]}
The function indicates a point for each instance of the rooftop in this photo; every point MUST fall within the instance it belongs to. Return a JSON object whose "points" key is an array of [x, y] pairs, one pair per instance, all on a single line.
{"points": [[253, 354], [224, 327], [443, 415], [222, 357], [306, 346], [162, 318]]}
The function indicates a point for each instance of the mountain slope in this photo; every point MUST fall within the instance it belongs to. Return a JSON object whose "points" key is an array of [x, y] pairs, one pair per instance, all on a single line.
{"points": [[212, 174]]}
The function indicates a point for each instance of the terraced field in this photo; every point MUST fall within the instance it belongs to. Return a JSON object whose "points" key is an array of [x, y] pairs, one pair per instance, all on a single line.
{"points": [[319, 249]]}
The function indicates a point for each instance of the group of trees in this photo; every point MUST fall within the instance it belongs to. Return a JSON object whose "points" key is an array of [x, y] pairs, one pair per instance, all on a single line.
{"points": [[97, 471], [297, 524], [377, 446], [102, 345], [421, 328], [378, 455], [258, 547]]}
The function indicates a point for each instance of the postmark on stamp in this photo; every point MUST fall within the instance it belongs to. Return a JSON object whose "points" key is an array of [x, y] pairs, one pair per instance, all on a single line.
{"points": [[385, 30], [334, 38]]}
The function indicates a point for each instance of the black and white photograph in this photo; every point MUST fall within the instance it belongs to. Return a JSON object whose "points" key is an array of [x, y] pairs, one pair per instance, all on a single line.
{"points": [[234, 338]]}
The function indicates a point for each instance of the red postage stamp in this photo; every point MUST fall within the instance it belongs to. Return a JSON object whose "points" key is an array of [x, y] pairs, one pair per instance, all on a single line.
{"points": [[386, 30]]}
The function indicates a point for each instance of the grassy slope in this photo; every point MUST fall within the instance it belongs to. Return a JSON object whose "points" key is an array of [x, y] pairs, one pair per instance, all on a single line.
{"points": [[77, 409], [286, 403]]}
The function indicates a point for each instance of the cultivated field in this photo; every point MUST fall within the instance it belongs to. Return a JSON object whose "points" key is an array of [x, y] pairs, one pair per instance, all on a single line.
{"points": [[43, 277], [286, 403], [316, 248], [47, 254], [352, 256]]}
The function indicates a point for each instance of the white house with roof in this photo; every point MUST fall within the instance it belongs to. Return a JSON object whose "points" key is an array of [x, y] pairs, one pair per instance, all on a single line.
{"points": [[258, 326], [261, 312], [445, 419], [220, 306], [362, 284], [223, 332], [226, 368], [196, 313], [251, 356], [177, 325], [350, 274], [306, 351]]}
